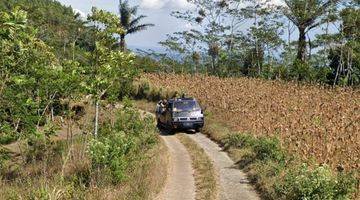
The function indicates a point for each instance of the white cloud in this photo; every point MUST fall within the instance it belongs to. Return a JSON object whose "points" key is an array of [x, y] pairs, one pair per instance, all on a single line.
{"points": [[81, 13], [159, 4], [188, 26], [152, 4], [277, 2], [179, 4]]}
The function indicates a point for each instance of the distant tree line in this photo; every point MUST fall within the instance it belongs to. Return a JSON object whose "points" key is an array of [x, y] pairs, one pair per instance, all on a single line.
{"points": [[304, 40]]}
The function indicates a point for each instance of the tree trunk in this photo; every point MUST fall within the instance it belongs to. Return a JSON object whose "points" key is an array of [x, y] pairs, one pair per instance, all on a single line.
{"points": [[213, 64], [301, 55], [96, 125], [122, 43]]}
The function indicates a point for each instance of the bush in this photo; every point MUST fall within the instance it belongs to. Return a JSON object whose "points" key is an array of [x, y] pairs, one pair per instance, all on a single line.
{"points": [[40, 147], [269, 149], [318, 183], [110, 153], [264, 148], [301, 71], [7, 135], [238, 141], [4, 156], [123, 143], [281, 176]]}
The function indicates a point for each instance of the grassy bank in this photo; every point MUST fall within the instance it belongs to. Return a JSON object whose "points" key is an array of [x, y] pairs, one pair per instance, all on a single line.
{"points": [[276, 172], [126, 161]]}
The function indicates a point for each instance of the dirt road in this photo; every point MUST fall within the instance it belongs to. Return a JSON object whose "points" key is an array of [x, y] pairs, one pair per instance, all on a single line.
{"points": [[180, 184], [233, 183]]}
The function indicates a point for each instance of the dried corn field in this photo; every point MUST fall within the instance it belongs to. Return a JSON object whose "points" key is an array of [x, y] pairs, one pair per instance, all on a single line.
{"points": [[316, 123]]}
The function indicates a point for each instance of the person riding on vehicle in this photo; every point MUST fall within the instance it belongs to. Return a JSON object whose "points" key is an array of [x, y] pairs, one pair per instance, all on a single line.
{"points": [[162, 105]]}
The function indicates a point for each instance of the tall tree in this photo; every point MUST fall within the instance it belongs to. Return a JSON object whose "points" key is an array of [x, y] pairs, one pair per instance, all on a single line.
{"points": [[208, 21], [111, 72], [306, 15], [129, 21]]}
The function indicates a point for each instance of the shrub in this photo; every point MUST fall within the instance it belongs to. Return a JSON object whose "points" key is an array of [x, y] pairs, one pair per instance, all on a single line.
{"points": [[280, 177], [39, 145], [269, 149], [4, 155], [238, 141], [110, 153], [318, 183], [264, 148], [7, 135], [123, 143]]}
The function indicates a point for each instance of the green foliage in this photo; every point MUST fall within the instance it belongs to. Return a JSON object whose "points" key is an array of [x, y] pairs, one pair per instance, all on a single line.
{"points": [[238, 141], [270, 164], [264, 148], [7, 135], [318, 183], [129, 21], [111, 70], [57, 25], [110, 153], [269, 149], [121, 143], [27, 73], [32, 79], [301, 71], [4, 156], [39, 144]]}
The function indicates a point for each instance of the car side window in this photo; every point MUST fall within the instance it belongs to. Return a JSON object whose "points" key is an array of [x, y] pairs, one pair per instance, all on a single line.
{"points": [[169, 107]]}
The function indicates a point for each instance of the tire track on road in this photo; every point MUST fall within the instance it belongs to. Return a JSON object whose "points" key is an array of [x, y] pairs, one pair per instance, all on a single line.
{"points": [[180, 184], [234, 184]]}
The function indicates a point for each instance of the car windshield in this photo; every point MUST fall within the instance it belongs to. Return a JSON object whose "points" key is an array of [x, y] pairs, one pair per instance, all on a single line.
{"points": [[180, 106]]}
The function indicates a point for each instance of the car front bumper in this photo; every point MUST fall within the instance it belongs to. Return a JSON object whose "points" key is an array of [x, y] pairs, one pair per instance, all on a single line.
{"points": [[188, 124]]}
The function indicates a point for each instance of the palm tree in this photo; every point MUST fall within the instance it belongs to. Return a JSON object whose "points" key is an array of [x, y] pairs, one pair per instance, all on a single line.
{"points": [[129, 21], [306, 15]]}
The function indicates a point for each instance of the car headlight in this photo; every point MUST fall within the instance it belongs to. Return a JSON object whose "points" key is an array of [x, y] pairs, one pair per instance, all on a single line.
{"points": [[197, 114], [175, 119]]}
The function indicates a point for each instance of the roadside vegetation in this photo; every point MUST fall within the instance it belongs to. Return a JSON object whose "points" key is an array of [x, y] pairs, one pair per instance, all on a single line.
{"points": [[281, 175], [124, 162], [64, 133]]}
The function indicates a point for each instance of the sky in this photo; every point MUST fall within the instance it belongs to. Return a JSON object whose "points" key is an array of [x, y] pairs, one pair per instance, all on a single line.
{"points": [[158, 12]]}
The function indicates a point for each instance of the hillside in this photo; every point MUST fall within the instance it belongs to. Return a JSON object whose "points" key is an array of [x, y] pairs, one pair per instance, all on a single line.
{"points": [[311, 121], [57, 25]]}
